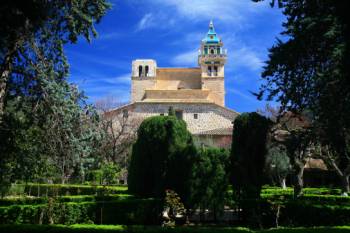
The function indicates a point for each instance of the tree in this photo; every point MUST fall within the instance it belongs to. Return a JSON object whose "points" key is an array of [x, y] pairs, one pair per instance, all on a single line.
{"points": [[209, 180], [119, 131], [248, 153], [34, 32], [308, 70], [277, 164], [296, 134], [161, 157]]}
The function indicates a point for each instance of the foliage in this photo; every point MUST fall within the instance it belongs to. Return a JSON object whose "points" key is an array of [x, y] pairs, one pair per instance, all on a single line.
{"points": [[277, 164], [210, 179], [307, 69], [128, 211], [45, 126], [84, 228], [173, 207], [107, 175], [47, 190], [161, 157], [248, 154]]}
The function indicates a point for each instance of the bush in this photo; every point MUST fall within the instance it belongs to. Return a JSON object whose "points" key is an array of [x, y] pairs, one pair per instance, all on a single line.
{"points": [[161, 157], [134, 211], [141, 229], [123, 229], [300, 213], [78, 198], [50, 190]]}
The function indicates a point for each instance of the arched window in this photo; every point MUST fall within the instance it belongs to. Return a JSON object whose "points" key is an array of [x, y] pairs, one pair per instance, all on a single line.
{"points": [[215, 71], [140, 71], [211, 51], [209, 70], [146, 71]]}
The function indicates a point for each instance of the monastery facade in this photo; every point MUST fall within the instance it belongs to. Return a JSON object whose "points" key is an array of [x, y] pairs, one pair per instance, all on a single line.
{"points": [[196, 94]]}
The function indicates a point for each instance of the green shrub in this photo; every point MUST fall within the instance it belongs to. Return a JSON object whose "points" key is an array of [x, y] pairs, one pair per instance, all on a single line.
{"points": [[133, 211], [301, 213], [153, 229], [105, 229], [7, 201], [61, 190], [161, 157]]}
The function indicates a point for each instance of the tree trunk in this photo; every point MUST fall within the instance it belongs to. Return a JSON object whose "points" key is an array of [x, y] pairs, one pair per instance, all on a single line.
{"points": [[5, 72], [283, 183], [298, 182], [345, 185]]}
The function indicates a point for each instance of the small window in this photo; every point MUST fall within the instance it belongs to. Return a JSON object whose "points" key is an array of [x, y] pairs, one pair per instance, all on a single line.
{"points": [[162, 114], [125, 113], [179, 114], [215, 71], [195, 116], [140, 71], [146, 71], [209, 70]]}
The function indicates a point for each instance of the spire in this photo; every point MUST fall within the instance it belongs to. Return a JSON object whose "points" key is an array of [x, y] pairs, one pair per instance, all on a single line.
{"points": [[211, 36], [211, 27]]}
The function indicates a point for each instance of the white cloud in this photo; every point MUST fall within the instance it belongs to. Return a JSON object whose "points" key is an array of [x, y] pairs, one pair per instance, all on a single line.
{"points": [[231, 11], [246, 57], [147, 21], [245, 95], [185, 59]]}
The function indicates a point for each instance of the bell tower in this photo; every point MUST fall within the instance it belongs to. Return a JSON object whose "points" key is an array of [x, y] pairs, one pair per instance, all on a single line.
{"points": [[212, 59]]}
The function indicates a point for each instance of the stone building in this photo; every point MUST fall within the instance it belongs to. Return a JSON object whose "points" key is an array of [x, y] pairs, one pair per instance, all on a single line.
{"points": [[196, 94]]}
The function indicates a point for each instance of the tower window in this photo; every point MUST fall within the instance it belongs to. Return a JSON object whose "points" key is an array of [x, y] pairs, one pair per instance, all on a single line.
{"points": [[209, 70], [179, 114], [211, 51], [140, 71], [215, 71], [218, 50], [146, 71], [205, 50], [195, 116]]}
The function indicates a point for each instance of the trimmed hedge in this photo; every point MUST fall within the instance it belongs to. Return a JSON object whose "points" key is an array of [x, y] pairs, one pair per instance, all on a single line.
{"points": [[134, 211], [139, 229], [7, 201], [64, 190], [295, 213]]}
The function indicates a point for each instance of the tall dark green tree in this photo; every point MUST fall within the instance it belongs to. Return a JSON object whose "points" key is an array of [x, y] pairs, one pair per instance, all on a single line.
{"points": [[248, 153], [209, 180], [161, 158], [308, 70]]}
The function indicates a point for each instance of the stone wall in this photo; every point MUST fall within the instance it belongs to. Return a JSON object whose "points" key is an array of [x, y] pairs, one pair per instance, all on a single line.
{"points": [[212, 123], [178, 78], [217, 87]]}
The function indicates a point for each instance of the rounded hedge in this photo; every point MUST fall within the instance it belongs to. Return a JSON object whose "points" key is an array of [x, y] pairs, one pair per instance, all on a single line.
{"points": [[161, 157]]}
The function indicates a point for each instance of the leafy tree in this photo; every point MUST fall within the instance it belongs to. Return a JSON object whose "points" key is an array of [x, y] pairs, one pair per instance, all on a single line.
{"points": [[39, 103], [248, 153], [32, 33], [308, 70], [277, 164], [209, 180], [161, 157]]}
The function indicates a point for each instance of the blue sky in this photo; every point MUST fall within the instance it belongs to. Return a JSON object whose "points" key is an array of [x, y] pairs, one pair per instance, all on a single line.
{"points": [[170, 32]]}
